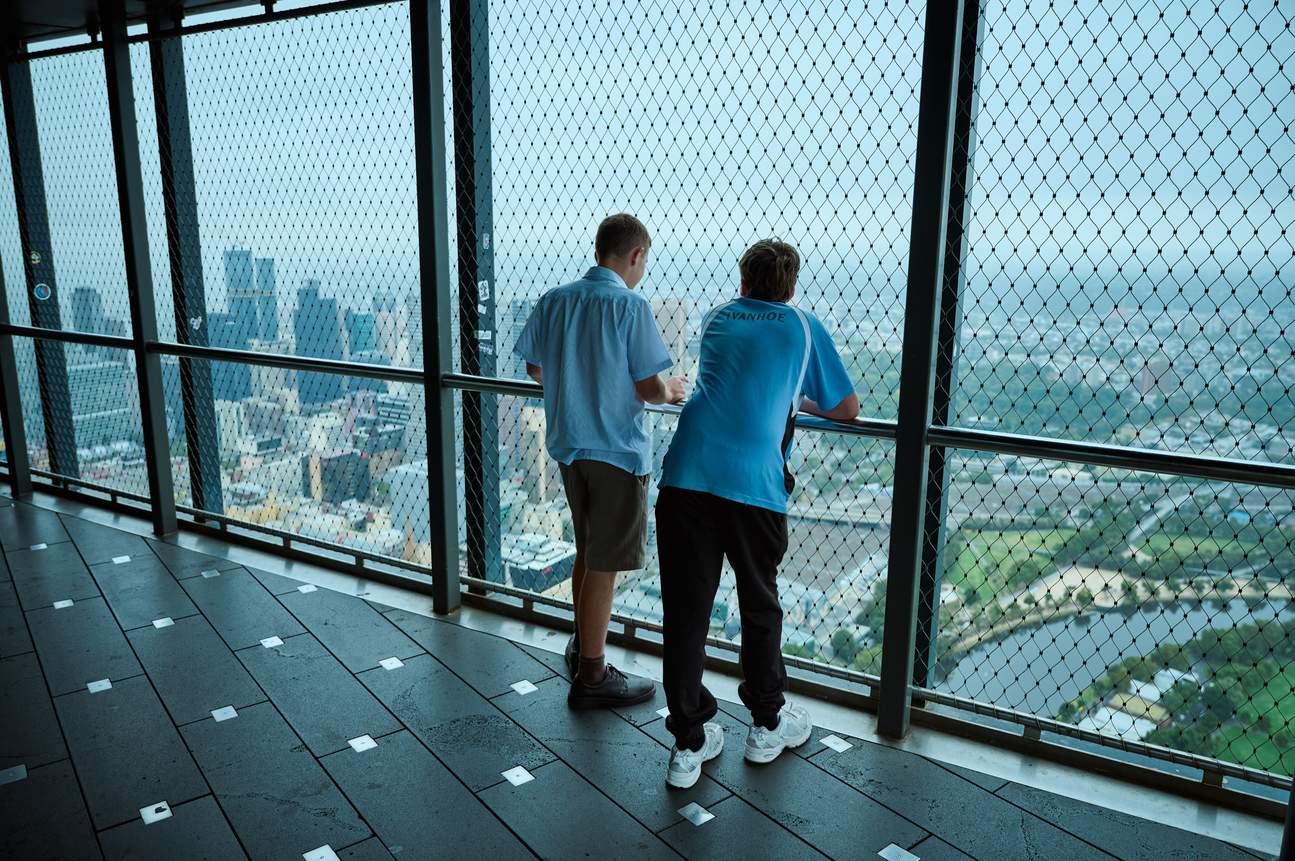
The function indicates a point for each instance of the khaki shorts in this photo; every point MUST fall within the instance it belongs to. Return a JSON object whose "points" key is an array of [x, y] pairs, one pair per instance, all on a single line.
{"points": [[609, 512]]}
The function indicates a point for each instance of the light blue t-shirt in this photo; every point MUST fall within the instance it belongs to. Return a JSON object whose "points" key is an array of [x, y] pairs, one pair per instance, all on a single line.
{"points": [[593, 338], [734, 435]]}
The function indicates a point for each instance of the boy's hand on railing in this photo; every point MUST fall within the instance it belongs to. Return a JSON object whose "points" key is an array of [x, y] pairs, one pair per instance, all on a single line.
{"points": [[676, 389]]}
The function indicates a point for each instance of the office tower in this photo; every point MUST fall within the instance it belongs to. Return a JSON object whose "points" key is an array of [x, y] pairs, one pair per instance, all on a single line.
{"points": [[240, 294], [361, 336], [230, 381], [388, 324], [318, 330], [87, 311], [511, 323], [268, 382], [335, 476], [104, 407], [267, 301], [367, 384]]}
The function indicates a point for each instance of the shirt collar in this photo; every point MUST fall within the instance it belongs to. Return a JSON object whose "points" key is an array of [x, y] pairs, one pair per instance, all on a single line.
{"points": [[602, 273]]}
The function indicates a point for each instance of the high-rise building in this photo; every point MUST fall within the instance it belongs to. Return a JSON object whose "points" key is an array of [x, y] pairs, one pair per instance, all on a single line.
{"points": [[267, 300], [230, 381], [240, 294], [388, 324], [512, 321], [87, 311], [361, 336], [318, 330], [104, 407], [335, 476]]}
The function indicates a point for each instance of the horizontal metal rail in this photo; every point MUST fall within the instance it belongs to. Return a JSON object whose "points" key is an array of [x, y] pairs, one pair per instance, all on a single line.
{"points": [[227, 24], [868, 427], [68, 337], [1268, 474], [282, 360], [1206, 764]]}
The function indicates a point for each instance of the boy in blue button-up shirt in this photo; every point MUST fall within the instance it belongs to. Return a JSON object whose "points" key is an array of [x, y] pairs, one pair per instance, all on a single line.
{"points": [[594, 346]]}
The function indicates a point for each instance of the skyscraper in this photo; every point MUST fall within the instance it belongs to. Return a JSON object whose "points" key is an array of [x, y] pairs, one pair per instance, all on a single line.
{"points": [[267, 302], [360, 332], [318, 329], [240, 295], [230, 381], [87, 311]]}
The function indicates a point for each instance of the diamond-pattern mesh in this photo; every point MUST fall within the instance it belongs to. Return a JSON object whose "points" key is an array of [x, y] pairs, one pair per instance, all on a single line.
{"points": [[1128, 269], [1126, 279], [831, 583], [1147, 607]]}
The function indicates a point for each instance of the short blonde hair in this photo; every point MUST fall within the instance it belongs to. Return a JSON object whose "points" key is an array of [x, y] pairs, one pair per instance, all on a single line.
{"points": [[769, 270]]}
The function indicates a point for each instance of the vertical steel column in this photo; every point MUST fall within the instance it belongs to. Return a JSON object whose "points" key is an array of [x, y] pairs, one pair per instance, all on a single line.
{"points": [[17, 460], [433, 248], [470, 73], [38, 259], [946, 349], [139, 276], [180, 200], [917, 370]]}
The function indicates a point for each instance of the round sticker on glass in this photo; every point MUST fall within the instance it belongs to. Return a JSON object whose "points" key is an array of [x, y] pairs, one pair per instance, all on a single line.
{"points": [[42, 292], [34, 257]]}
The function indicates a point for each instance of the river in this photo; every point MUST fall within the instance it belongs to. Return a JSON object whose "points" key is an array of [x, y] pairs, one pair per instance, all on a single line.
{"points": [[1038, 670]]}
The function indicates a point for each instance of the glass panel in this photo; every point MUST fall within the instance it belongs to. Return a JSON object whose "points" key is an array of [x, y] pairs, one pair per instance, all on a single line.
{"points": [[1128, 273], [717, 126]]}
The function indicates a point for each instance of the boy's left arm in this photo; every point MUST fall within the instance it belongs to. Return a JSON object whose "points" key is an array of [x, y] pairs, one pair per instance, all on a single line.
{"points": [[826, 380]]}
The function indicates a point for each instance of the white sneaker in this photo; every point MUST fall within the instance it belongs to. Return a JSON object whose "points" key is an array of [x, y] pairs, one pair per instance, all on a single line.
{"points": [[685, 765], [794, 727]]}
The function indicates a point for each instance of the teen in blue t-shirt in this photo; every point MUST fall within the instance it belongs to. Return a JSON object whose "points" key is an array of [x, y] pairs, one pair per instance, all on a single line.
{"points": [[724, 491]]}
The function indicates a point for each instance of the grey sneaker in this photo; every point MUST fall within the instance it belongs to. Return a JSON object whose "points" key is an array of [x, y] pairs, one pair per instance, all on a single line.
{"points": [[793, 730], [685, 765]]}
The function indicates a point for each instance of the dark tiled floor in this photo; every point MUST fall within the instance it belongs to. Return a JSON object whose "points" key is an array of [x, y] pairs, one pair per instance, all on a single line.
{"points": [[178, 635]]}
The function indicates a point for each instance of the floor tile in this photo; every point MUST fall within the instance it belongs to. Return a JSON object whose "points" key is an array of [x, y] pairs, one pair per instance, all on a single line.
{"points": [[99, 543], [552, 831], [738, 832], [555, 661], [193, 670], [53, 574], [357, 634], [623, 762], [838, 820], [240, 609], [14, 638], [935, 849], [366, 850], [196, 831], [984, 781], [955, 810], [275, 794], [185, 563], [276, 583], [424, 823], [1127, 837], [31, 735], [45, 818], [79, 644], [126, 751], [23, 525], [325, 704], [141, 590], [488, 663], [469, 734]]}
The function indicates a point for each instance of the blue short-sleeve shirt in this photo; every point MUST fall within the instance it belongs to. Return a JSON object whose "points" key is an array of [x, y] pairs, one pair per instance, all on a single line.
{"points": [[757, 360], [594, 338]]}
